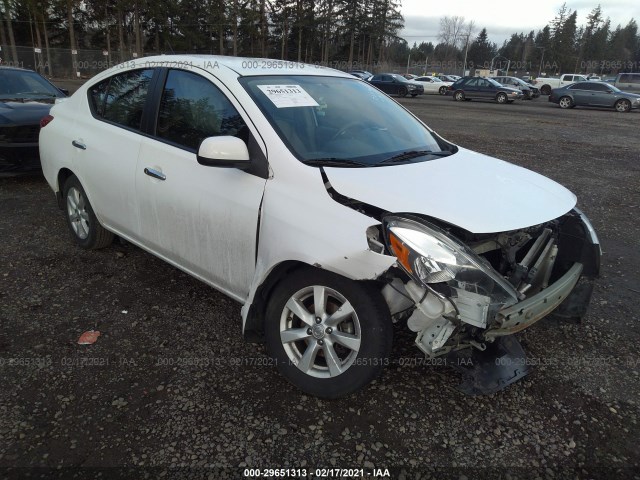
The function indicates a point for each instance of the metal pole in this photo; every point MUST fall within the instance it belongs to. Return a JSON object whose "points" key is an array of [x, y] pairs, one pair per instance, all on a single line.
{"points": [[464, 65]]}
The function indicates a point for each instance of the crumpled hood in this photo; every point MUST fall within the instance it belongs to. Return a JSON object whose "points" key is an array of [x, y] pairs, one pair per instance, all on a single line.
{"points": [[473, 191]]}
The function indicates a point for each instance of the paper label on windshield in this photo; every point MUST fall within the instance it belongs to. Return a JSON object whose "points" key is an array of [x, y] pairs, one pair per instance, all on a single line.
{"points": [[284, 96]]}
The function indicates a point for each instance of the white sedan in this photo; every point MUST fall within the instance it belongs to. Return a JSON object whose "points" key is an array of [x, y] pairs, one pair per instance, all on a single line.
{"points": [[325, 208], [433, 85]]}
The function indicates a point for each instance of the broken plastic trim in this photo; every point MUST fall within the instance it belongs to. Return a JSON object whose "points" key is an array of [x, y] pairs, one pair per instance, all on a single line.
{"points": [[485, 372]]}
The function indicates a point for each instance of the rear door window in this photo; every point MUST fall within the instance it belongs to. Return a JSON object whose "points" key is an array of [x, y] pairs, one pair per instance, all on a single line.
{"points": [[125, 97]]}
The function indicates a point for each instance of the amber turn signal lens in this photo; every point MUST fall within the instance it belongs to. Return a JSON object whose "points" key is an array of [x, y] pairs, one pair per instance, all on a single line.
{"points": [[400, 251]]}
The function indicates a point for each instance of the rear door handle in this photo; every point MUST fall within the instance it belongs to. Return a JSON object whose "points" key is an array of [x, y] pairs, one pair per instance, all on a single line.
{"points": [[155, 173], [79, 145]]}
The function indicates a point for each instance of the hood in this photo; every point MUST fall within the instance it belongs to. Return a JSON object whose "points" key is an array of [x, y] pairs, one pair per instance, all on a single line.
{"points": [[473, 191], [24, 113]]}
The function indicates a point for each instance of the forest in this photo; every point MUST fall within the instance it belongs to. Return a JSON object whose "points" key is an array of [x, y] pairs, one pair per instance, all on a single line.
{"points": [[342, 33]]}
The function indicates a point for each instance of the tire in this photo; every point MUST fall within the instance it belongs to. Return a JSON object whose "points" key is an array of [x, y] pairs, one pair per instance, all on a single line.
{"points": [[81, 220], [414, 94], [545, 90], [301, 357], [502, 98], [458, 96], [565, 102], [623, 105], [442, 91], [402, 92]]}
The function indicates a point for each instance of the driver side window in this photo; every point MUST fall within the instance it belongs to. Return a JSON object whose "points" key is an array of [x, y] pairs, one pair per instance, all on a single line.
{"points": [[192, 109]]}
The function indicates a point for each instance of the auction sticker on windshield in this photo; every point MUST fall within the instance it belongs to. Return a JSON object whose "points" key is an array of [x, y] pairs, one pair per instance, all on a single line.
{"points": [[284, 96]]}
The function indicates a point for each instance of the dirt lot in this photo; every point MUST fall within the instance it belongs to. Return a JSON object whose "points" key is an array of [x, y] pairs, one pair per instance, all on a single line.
{"points": [[170, 388]]}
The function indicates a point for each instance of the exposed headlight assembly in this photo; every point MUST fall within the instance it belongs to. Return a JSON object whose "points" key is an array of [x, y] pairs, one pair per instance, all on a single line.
{"points": [[430, 255]]}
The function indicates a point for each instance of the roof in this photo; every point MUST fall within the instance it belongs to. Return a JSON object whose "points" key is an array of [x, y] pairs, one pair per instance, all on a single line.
{"points": [[243, 66]]}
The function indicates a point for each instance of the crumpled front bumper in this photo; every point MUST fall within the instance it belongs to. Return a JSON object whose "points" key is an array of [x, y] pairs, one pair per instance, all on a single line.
{"points": [[524, 314]]}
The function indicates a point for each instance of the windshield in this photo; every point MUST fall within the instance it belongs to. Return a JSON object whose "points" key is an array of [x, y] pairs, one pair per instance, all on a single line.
{"points": [[342, 121], [25, 84]]}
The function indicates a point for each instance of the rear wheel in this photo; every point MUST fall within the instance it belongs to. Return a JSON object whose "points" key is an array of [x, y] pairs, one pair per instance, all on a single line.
{"points": [[459, 96], [565, 102], [545, 90], [502, 98], [442, 91], [329, 335], [623, 105], [82, 221]]}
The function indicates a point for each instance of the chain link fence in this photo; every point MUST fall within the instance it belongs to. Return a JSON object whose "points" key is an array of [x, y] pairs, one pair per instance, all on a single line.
{"points": [[82, 64]]}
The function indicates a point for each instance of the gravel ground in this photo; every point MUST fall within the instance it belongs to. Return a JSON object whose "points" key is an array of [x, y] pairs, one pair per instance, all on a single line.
{"points": [[171, 390]]}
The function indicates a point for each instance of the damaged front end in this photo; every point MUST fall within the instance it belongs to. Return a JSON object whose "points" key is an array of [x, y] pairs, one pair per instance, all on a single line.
{"points": [[465, 294]]}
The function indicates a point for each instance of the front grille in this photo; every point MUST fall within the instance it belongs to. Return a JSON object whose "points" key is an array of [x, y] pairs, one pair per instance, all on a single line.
{"points": [[20, 134]]}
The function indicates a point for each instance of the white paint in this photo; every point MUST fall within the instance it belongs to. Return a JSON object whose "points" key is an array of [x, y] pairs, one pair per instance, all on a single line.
{"points": [[473, 191]]}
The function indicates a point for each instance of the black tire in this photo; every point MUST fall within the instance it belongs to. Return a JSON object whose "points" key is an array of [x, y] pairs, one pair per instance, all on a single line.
{"points": [[372, 322], [545, 90], [87, 232], [565, 102], [402, 92], [623, 105], [442, 91], [501, 97], [414, 94], [458, 96]]}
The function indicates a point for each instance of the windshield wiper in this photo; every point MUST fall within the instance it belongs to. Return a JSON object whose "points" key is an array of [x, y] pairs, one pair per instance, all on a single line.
{"points": [[334, 162], [401, 157]]}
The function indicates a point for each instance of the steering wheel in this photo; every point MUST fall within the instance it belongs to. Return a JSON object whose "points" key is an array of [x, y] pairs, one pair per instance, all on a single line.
{"points": [[347, 127]]}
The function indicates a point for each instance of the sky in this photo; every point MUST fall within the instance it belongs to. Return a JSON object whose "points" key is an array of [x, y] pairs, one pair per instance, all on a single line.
{"points": [[501, 19]]}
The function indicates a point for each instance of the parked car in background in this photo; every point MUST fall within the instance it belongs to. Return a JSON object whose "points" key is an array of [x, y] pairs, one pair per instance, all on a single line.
{"points": [[594, 78], [25, 98], [628, 82], [433, 85], [529, 91], [394, 84], [527, 78], [409, 76], [447, 78], [610, 80], [546, 84], [325, 209], [594, 94], [362, 74], [469, 88]]}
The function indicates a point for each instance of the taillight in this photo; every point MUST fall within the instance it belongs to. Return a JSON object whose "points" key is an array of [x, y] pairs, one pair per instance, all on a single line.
{"points": [[45, 121]]}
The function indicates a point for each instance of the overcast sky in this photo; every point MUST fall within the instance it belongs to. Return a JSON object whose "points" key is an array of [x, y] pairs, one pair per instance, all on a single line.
{"points": [[501, 19]]}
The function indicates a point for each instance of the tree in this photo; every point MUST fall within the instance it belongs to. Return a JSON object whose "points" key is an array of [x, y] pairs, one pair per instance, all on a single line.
{"points": [[481, 51]]}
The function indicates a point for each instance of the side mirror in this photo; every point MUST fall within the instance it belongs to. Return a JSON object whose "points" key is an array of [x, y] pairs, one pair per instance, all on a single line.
{"points": [[225, 151]]}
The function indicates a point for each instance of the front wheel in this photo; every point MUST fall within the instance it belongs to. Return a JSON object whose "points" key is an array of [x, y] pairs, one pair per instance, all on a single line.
{"points": [[623, 105], [81, 219], [502, 98], [565, 102], [402, 92], [329, 335]]}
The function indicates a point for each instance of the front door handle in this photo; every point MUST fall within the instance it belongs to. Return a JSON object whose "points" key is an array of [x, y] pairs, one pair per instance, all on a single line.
{"points": [[79, 145], [155, 173]]}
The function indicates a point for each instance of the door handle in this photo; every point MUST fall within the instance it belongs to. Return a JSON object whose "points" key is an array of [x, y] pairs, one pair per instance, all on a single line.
{"points": [[79, 145], [155, 173]]}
